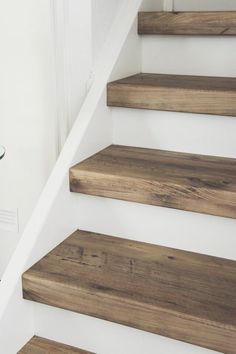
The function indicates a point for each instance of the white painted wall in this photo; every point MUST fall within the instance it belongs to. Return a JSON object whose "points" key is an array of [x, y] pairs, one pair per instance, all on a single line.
{"points": [[72, 36], [79, 39], [46, 56], [27, 110], [103, 14], [207, 5], [151, 5]]}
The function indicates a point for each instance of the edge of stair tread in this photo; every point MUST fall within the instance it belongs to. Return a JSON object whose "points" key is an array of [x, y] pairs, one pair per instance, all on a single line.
{"points": [[177, 81], [117, 155], [39, 345]]}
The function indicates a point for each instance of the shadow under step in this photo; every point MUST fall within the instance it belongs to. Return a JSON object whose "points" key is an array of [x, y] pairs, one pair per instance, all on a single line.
{"points": [[177, 294], [204, 184], [220, 23], [178, 93], [38, 345]]}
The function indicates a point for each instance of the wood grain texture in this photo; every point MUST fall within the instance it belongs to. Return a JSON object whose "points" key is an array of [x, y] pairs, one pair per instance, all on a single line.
{"points": [[188, 23], [178, 294], [179, 93], [38, 345], [204, 184]]}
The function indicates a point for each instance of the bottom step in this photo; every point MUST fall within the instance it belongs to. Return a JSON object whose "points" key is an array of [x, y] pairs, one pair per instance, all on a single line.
{"points": [[174, 293], [39, 345]]}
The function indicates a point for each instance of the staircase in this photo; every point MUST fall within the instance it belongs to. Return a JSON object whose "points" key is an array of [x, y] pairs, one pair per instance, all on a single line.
{"points": [[182, 295]]}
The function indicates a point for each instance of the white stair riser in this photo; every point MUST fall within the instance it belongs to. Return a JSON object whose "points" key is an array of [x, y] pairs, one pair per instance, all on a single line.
{"points": [[168, 227], [104, 337], [190, 55], [204, 5], [183, 132]]}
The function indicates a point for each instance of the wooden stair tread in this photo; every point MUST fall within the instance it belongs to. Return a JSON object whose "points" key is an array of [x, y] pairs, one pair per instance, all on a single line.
{"points": [[180, 81], [182, 93], [198, 183], [38, 345], [188, 23], [178, 294]]}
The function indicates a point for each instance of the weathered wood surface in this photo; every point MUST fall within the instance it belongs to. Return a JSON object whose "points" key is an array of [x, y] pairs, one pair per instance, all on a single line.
{"points": [[204, 184], [38, 345], [179, 93], [188, 23], [178, 294]]}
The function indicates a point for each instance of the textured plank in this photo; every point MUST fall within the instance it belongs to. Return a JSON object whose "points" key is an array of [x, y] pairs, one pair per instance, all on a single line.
{"points": [[178, 294], [182, 93], [187, 23], [204, 184], [39, 345]]}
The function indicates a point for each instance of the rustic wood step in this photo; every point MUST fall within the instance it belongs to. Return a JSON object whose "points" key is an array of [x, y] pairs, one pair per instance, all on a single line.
{"points": [[204, 184], [178, 294], [188, 23], [179, 93], [38, 345]]}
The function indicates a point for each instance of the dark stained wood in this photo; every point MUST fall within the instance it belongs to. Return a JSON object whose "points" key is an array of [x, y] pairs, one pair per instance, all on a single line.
{"points": [[178, 294], [180, 93], [204, 184], [188, 23], [38, 345]]}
